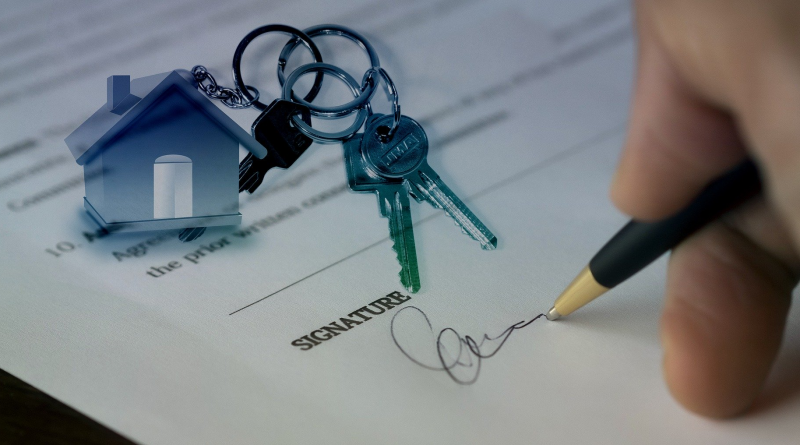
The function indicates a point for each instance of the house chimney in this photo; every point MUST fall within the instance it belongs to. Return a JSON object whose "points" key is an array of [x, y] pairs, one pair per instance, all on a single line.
{"points": [[119, 87]]}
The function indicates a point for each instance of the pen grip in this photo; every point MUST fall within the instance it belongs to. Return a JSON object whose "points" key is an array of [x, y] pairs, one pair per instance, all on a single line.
{"points": [[640, 243]]}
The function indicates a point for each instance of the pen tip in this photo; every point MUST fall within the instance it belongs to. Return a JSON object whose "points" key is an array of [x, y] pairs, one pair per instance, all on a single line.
{"points": [[553, 314]]}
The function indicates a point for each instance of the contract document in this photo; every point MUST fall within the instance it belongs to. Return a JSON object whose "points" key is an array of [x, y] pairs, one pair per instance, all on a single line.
{"points": [[222, 340]]}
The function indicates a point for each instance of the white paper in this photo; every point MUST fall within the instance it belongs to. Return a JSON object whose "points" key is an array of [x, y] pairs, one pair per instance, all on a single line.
{"points": [[525, 104]]}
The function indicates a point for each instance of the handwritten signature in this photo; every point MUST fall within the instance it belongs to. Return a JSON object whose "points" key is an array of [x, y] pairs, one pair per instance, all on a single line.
{"points": [[466, 361]]}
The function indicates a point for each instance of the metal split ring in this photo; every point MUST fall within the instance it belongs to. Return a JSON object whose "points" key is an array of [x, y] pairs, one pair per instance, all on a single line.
{"points": [[361, 100], [388, 134], [299, 36], [355, 88]]}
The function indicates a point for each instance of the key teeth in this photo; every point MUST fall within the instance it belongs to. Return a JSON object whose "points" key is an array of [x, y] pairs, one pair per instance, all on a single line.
{"points": [[434, 183], [491, 242], [406, 278]]}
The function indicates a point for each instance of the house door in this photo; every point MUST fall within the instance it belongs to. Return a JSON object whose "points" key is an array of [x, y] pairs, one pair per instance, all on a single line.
{"points": [[172, 187]]}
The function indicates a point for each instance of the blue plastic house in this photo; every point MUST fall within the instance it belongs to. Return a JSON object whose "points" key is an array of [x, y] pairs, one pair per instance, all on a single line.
{"points": [[159, 155]]}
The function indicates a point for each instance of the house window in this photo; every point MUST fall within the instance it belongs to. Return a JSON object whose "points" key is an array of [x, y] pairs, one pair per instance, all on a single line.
{"points": [[172, 187]]}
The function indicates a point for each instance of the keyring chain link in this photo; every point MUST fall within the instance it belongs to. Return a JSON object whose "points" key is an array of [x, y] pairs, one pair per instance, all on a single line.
{"points": [[230, 97]]}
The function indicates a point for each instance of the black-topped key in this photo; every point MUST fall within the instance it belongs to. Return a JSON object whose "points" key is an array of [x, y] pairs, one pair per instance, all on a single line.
{"points": [[284, 143]]}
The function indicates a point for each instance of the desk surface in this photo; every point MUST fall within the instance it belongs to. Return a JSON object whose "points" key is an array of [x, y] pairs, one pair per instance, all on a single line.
{"points": [[28, 415]]}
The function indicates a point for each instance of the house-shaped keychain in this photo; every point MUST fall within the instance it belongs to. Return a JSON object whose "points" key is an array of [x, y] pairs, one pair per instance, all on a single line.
{"points": [[159, 155]]}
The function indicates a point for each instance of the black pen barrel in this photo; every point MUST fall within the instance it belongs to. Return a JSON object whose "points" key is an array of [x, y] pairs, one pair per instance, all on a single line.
{"points": [[640, 243]]}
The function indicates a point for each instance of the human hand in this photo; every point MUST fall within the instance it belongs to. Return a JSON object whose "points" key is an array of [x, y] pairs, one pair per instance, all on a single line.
{"points": [[719, 80]]}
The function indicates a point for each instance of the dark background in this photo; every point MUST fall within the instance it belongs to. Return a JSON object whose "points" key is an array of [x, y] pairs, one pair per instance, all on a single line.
{"points": [[29, 416]]}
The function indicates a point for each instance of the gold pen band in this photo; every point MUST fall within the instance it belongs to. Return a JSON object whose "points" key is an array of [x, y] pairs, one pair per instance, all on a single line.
{"points": [[583, 289]]}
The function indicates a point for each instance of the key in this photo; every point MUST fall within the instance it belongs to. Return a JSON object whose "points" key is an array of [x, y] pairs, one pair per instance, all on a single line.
{"points": [[405, 156], [284, 143], [393, 203]]}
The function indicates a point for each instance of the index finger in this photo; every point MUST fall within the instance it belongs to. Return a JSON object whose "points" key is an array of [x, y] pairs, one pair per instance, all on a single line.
{"points": [[677, 141]]}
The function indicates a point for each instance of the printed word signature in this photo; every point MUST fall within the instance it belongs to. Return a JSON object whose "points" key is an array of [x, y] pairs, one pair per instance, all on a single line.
{"points": [[459, 356]]}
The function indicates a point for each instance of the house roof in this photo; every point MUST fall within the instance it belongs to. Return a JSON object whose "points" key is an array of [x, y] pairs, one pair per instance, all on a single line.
{"points": [[104, 125]]}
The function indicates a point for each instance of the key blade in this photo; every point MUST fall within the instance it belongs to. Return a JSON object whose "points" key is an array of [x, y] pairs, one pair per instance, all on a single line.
{"points": [[246, 163], [395, 206], [191, 234], [252, 171], [249, 183], [429, 186]]}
